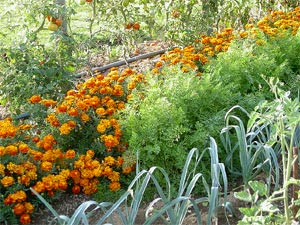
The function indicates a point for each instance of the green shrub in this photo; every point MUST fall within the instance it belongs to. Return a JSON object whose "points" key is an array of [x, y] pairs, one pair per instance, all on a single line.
{"points": [[173, 112], [247, 65], [242, 69], [284, 50], [31, 68]]}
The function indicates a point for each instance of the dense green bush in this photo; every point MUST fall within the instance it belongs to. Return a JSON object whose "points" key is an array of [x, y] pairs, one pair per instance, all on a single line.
{"points": [[31, 68], [284, 51], [247, 66], [172, 113]]}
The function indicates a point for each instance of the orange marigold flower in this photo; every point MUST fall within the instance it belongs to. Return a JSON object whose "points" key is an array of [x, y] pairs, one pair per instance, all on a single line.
{"points": [[19, 209], [90, 153], [112, 73], [2, 151], [73, 112], [228, 30], [118, 90], [49, 138], [101, 111], [24, 180], [23, 148], [127, 72], [72, 123], [71, 93], [62, 185], [131, 85], [39, 187], [11, 149], [158, 64], [121, 79], [25, 218], [51, 118], [19, 196], [46, 166], [139, 77], [110, 111], [110, 141], [25, 126], [79, 164], [210, 53], [120, 105], [65, 129], [114, 176], [87, 174], [97, 172], [14, 168], [74, 174], [260, 42], [48, 182], [35, 139], [184, 69], [103, 125], [36, 155], [84, 182], [129, 97], [48, 102], [70, 154], [94, 101], [76, 189], [35, 99], [107, 171], [82, 105], [155, 70], [7, 181], [128, 170], [243, 34], [109, 160], [47, 145], [62, 108], [249, 26], [84, 117], [29, 207], [114, 186], [218, 48], [120, 161], [110, 103], [91, 188], [32, 174], [205, 40], [9, 200]]}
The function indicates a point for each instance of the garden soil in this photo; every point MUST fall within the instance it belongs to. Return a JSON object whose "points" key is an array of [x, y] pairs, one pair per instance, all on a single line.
{"points": [[68, 203]]}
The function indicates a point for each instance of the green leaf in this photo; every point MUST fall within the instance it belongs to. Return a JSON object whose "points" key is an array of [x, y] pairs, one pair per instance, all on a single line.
{"points": [[248, 211], [243, 195], [259, 187]]}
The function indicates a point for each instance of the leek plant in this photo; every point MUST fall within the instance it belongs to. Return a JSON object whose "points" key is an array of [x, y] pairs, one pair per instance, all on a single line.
{"points": [[173, 210], [251, 146]]}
